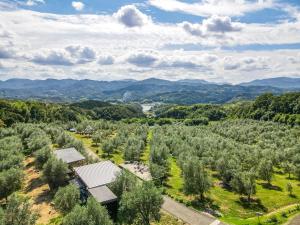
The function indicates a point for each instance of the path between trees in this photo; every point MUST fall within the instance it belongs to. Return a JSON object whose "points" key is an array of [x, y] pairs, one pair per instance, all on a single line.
{"points": [[188, 215]]}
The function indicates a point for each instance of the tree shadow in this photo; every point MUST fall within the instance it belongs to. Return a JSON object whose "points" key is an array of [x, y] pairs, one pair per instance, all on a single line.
{"points": [[204, 204], [45, 197], [293, 196], [271, 187], [29, 165], [34, 183], [253, 204]]}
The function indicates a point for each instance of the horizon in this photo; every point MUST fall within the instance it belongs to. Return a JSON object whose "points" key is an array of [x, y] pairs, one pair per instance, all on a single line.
{"points": [[219, 83], [217, 41]]}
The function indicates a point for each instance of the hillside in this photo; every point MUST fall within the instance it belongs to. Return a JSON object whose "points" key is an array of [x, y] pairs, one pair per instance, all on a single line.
{"points": [[278, 82], [180, 92]]}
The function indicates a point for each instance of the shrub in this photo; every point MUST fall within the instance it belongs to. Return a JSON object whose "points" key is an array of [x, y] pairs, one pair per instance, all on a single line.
{"points": [[66, 198]]}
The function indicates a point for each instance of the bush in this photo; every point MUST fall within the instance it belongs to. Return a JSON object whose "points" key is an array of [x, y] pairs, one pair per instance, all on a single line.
{"points": [[42, 156], [55, 172], [66, 198]]}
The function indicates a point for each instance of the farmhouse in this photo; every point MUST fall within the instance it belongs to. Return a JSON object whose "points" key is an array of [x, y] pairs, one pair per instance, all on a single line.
{"points": [[95, 178]]}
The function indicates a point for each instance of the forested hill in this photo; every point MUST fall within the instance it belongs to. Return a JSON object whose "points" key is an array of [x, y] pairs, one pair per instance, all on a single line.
{"points": [[177, 92], [12, 111], [268, 107]]}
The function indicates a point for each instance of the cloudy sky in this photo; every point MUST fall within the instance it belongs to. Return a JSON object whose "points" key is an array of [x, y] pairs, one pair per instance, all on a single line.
{"points": [[216, 40]]}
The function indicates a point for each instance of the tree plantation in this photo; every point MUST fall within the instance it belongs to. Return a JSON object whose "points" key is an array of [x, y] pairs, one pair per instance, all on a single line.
{"points": [[224, 160]]}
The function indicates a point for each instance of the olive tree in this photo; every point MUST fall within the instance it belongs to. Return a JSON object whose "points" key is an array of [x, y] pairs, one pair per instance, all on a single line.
{"points": [[19, 212], [91, 214], [66, 198], [10, 181], [196, 179], [125, 181], [55, 172], [141, 205]]}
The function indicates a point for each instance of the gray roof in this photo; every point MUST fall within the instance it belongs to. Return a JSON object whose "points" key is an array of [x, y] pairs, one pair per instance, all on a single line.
{"points": [[69, 155], [98, 174], [103, 194]]}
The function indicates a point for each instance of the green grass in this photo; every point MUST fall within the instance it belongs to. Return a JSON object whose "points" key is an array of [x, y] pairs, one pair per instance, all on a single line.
{"points": [[146, 154], [268, 201], [117, 156]]}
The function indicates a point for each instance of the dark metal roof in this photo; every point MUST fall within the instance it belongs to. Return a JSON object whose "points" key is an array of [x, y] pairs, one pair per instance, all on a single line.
{"points": [[103, 194], [69, 155], [98, 174]]}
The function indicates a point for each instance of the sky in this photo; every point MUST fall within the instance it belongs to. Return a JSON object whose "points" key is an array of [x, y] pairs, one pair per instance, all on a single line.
{"points": [[230, 41]]}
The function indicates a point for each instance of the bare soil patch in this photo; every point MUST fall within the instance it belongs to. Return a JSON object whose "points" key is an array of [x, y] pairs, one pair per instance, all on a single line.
{"points": [[39, 192]]}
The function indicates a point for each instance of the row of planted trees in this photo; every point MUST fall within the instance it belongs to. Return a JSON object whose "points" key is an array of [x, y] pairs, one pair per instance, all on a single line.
{"points": [[239, 151], [129, 139]]}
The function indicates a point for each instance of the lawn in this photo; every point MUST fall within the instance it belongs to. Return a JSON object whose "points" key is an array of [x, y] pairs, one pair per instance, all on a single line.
{"points": [[268, 201]]}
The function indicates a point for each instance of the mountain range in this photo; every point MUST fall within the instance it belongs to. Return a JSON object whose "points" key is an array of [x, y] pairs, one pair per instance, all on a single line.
{"points": [[149, 90]]}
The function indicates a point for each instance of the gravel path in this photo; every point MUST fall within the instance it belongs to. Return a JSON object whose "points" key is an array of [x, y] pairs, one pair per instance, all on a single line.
{"points": [[188, 215], [295, 221]]}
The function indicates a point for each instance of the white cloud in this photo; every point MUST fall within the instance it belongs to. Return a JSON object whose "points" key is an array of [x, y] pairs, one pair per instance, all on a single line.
{"points": [[207, 8], [221, 24], [130, 16], [34, 2], [7, 52], [106, 60], [71, 55], [78, 5], [143, 59], [82, 54], [146, 47], [211, 26]]}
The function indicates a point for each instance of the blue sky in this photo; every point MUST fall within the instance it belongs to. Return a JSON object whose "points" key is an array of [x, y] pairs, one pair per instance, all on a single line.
{"points": [[216, 40]]}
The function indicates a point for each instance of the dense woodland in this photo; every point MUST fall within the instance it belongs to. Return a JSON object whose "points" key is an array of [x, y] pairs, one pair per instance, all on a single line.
{"points": [[13, 111], [228, 160]]}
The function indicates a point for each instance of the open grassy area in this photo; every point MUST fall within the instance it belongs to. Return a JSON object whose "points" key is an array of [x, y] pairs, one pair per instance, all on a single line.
{"points": [[146, 154], [268, 200], [116, 157]]}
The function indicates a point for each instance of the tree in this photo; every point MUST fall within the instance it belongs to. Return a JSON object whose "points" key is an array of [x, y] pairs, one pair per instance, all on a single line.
{"points": [[158, 173], [10, 181], [265, 170], [55, 172], [66, 198], [97, 213], [19, 212], [97, 137], [91, 214], [244, 183], [42, 156], [289, 188], [108, 147], [288, 168], [125, 181], [196, 180], [141, 205]]}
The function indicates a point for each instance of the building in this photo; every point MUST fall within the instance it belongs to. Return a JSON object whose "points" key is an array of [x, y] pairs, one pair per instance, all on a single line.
{"points": [[95, 178], [70, 156]]}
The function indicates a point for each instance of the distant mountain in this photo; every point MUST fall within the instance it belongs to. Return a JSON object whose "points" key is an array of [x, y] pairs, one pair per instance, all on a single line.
{"points": [[149, 90], [278, 82]]}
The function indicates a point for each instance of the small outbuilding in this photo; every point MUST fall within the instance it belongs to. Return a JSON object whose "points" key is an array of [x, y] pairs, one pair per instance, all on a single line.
{"points": [[69, 155]]}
